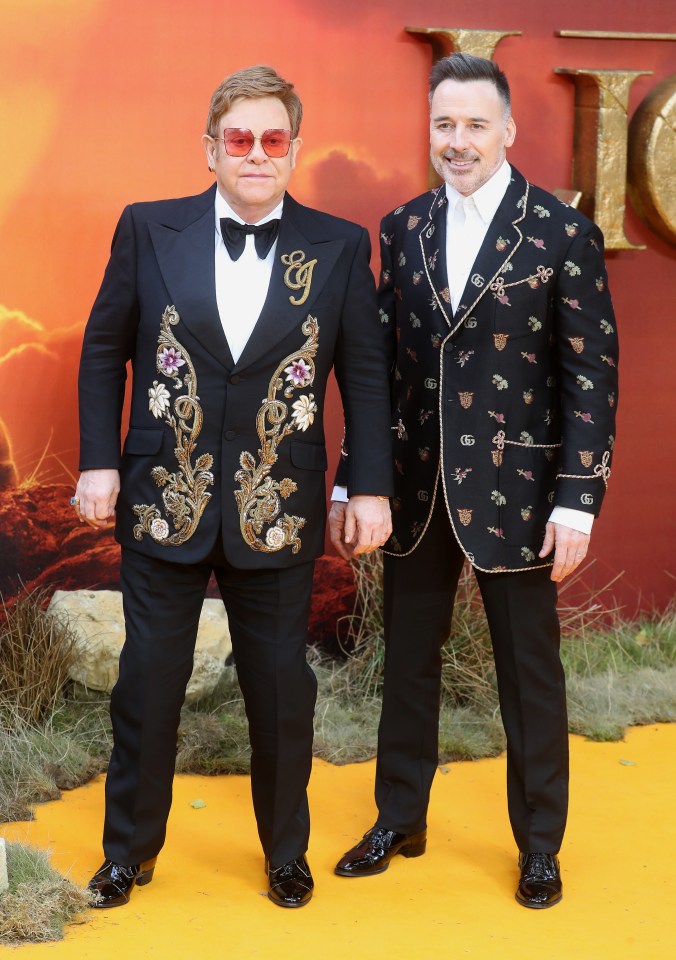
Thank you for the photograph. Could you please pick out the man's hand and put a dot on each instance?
(97, 492)
(360, 525)
(570, 548)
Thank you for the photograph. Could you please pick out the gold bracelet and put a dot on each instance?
(383, 498)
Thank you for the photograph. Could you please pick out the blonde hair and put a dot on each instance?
(254, 83)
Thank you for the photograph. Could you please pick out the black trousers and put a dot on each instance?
(268, 614)
(419, 592)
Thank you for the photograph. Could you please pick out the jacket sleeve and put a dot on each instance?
(587, 352)
(362, 373)
(108, 344)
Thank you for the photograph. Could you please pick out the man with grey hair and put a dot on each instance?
(504, 387)
(233, 307)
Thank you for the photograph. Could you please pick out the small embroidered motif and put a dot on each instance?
(459, 474)
(586, 457)
(298, 275)
(498, 498)
(413, 222)
(526, 512)
(258, 497)
(528, 396)
(602, 469)
(500, 340)
(577, 343)
(527, 554)
(465, 516)
(466, 397)
(184, 493)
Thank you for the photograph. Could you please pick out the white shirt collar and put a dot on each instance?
(223, 209)
(488, 197)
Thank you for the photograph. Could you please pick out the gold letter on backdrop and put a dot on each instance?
(652, 159)
(600, 147)
(480, 43)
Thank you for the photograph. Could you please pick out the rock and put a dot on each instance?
(97, 620)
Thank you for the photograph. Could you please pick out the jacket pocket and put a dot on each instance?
(308, 456)
(140, 441)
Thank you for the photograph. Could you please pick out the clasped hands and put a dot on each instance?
(361, 525)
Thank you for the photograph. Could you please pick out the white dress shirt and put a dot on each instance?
(241, 285)
(467, 223)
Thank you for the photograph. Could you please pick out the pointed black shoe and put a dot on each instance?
(112, 883)
(290, 885)
(374, 851)
(540, 884)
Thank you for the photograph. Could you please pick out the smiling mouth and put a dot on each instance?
(460, 163)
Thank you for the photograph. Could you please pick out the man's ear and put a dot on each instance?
(209, 145)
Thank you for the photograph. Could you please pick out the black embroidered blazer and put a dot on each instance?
(507, 407)
(213, 444)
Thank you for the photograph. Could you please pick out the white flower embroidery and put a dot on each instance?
(304, 410)
(159, 398)
(159, 529)
(299, 373)
(275, 537)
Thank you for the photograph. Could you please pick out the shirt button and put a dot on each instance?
(235, 378)
(230, 434)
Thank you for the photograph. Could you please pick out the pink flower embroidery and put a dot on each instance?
(299, 373)
(169, 360)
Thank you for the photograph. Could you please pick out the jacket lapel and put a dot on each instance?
(185, 255)
(432, 239)
(501, 242)
(304, 261)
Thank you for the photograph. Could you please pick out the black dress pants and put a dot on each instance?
(268, 614)
(419, 592)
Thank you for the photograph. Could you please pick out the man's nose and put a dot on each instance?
(257, 154)
(458, 138)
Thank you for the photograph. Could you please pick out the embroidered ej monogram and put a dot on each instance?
(184, 493)
(258, 497)
(298, 275)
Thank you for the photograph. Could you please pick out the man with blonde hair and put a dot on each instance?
(233, 306)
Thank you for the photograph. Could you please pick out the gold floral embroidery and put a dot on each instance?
(258, 497)
(298, 275)
(184, 493)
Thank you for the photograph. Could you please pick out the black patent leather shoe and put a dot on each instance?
(290, 885)
(112, 883)
(373, 853)
(540, 884)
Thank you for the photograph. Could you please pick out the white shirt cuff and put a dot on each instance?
(575, 519)
(339, 494)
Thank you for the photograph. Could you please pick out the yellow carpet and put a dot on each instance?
(207, 899)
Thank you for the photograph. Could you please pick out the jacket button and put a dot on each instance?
(230, 434)
(235, 378)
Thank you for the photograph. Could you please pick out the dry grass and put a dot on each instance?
(36, 652)
(39, 901)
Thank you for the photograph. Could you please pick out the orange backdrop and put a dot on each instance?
(103, 102)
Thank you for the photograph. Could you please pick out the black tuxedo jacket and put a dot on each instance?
(507, 407)
(216, 445)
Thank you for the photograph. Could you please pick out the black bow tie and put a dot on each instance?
(235, 234)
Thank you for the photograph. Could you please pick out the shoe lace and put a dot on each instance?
(539, 866)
